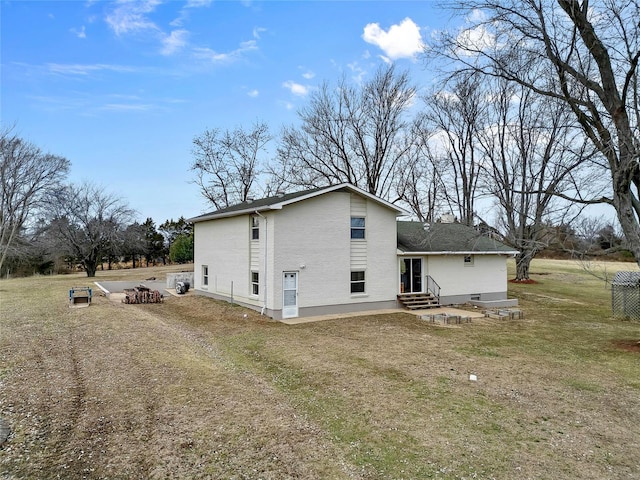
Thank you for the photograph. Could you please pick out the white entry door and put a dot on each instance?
(290, 295)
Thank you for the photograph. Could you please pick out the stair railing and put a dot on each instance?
(433, 287)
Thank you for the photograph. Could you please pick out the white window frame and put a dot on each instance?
(255, 228)
(205, 275)
(255, 283)
(358, 281)
(358, 228)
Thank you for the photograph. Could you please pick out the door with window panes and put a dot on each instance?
(411, 275)
(289, 294)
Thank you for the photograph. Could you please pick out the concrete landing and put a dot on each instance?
(417, 313)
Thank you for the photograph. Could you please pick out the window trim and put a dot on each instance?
(255, 227)
(255, 283)
(468, 260)
(205, 275)
(358, 228)
(358, 281)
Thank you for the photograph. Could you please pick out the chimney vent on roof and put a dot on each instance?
(249, 199)
(448, 218)
(280, 193)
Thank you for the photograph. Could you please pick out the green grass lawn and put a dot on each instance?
(192, 389)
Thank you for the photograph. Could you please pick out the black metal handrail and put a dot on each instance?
(433, 287)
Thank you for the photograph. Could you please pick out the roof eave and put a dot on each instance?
(451, 252)
(277, 205)
(235, 213)
(399, 211)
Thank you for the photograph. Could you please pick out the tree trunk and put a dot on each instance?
(523, 261)
(90, 267)
(623, 202)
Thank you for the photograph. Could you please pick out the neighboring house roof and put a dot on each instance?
(446, 238)
(278, 201)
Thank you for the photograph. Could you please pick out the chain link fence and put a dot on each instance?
(625, 295)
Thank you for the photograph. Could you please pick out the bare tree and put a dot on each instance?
(583, 53)
(227, 164)
(352, 134)
(28, 177)
(134, 243)
(87, 222)
(456, 114)
(419, 177)
(531, 152)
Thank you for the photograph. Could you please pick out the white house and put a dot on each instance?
(339, 249)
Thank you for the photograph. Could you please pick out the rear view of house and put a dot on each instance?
(320, 251)
(334, 250)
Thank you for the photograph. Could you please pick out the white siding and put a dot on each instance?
(487, 275)
(310, 237)
(224, 246)
(358, 249)
(314, 239)
(255, 245)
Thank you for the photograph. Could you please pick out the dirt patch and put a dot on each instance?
(528, 281)
(628, 345)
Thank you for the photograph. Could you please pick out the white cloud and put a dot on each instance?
(358, 73)
(84, 70)
(186, 11)
(216, 57)
(475, 39)
(253, 93)
(308, 75)
(400, 41)
(257, 31)
(476, 16)
(80, 33)
(198, 3)
(296, 88)
(127, 107)
(174, 42)
(131, 17)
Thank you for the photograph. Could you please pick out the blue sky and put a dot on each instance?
(121, 88)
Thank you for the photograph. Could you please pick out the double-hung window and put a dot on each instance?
(205, 275)
(357, 281)
(357, 228)
(255, 283)
(255, 227)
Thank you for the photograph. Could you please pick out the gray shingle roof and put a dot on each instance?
(278, 201)
(446, 237)
(258, 204)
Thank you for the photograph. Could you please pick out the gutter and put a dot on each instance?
(488, 252)
(236, 213)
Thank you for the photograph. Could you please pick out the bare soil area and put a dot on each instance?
(194, 388)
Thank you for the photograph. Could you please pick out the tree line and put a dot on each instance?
(536, 113)
(535, 116)
(50, 226)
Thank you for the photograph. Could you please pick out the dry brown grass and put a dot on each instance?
(192, 389)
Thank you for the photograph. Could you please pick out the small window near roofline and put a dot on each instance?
(255, 227)
(468, 260)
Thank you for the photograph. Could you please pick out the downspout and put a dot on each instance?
(266, 237)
